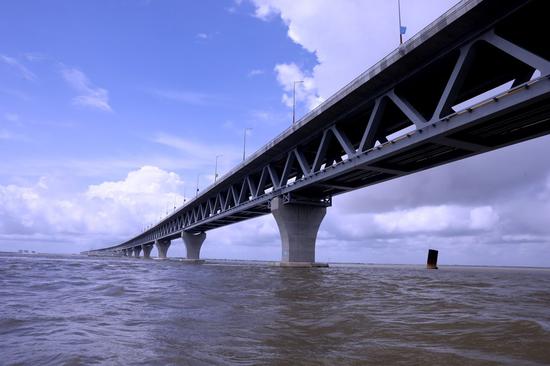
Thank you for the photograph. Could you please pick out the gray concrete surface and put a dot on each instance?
(193, 243)
(147, 250)
(298, 226)
(162, 247)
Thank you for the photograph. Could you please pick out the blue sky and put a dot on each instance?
(182, 69)
(109, 110)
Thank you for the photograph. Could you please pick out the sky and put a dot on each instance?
(111, 111)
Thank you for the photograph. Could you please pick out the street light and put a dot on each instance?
(216, 168)
(244, 141)
(197, 193)
(402, 29)
(294, 99)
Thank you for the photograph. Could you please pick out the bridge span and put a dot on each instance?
(423, 105)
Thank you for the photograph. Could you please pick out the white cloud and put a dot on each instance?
(110, 209)
(346, 37)
(443, 218)
(89, 95)
(20, 68)
(185, 145)
(197, 154)
(187, 97)
(255, 72)
(262, 115)
(202, 36)
(35, 56)
(142, 196)
(148, 180)
(290, 76)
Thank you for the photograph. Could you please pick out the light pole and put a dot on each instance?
(402, 29)
(244, 141)
(216, 168)
(197, 193)
(294, 99)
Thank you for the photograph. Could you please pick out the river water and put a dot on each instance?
(75, 310)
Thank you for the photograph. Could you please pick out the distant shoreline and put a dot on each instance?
(214, 261)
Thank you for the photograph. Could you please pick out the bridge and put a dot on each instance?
(424, 105)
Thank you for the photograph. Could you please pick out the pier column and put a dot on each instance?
(162, 247)
(137, 251)
(298, 225)
(129, 252)
(432, 259)
(193, 243)
(147, 250)
(124, 252)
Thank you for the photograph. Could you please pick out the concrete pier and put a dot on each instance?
(162, 247)
(147, 248)
(124, 252)
(129, 252)
(193, 243)
(298, 226)
(137, 251)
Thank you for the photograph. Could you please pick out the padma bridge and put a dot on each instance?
(474, 80)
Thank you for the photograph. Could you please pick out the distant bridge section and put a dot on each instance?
(424, 105)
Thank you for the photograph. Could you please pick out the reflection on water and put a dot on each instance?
(76, 310)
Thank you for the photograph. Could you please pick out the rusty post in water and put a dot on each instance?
(432, 259)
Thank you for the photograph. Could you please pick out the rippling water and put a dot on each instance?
(58, 310)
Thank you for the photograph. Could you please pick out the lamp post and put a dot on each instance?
(216, 168)
(197, 192)
(402, 29)
(244, 141)
(294, 99)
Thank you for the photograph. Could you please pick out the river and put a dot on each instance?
(76, 310)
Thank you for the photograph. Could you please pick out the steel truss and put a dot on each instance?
(410, 125)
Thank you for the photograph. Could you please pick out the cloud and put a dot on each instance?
(203, 36)
(201, 155)
(187, 97)
(142, 195)
(233, 8)
(146, 180)
(290, 76)
(437, 219)
(35, 56)
(111, 210)
(345, 37)
(89, 95)
(20, 68)
(255, 72)
(184, 145)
